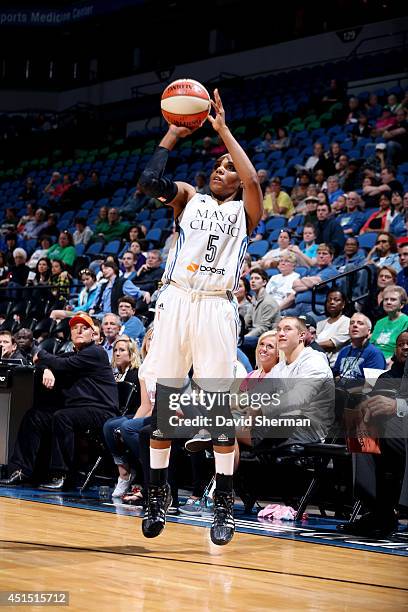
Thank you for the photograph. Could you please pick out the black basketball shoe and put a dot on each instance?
(158, 502)
(223, 526)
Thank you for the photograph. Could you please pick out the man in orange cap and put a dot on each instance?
(90, 398)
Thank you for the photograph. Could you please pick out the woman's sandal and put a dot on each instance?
(134, 497)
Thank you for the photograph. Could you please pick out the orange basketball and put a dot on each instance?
(186, 103)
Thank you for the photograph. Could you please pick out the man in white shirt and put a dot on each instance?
(306, 389)
(280, 285)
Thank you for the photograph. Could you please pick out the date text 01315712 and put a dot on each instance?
(38, 598)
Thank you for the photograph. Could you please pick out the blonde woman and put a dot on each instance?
(126, 361)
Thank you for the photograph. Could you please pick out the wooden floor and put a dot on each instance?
(105, 563)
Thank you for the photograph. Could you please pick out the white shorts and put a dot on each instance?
(191, 328)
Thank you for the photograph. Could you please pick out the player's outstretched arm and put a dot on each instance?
(155, 185)
(253, 200)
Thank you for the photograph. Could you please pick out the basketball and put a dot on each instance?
(185, 103)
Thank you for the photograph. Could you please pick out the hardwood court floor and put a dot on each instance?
(105, 563)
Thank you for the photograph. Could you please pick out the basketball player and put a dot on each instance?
(196, 313)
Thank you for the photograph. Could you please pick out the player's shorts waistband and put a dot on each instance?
(197, 294)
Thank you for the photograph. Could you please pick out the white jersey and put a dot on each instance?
(211, 245)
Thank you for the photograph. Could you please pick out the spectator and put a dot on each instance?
(113, 228)
(300, 190)
(18, 273)
(135, 247)
(25, 343)
(109, 291)
(323, 270)
(271, 258)
(398, 226)
(265, 145)
(350, 258)
(396, 138)
(387, 329)
(51, 227)
(132, 326)
(243, 296)
(264, 311)
(388, 183)
(90, 398)
(351, 220)
(33, 228)
(306, 252)
(280, 285)
(352, 360)
(361, 129)
(86, 298)
(333, 333)
(310, 213)
(319, 177)
(282, 140)
(353, 110)
(83, 232)
(310, 336)
(305, 384)
(201, 185)
(128, 265)
(3, 266)
(170, 242)
(111, 326)
(333, 189)
(263, 177)
(8, 346)
(372, 306)
(384, 252)
(373, 108)
(30, 193)
(379, 219)
(61, 282)
(55, 180)
(150, 273)
(64, 250)
(278, 202)
(328, 229)
(29, 216)
(129, 424)
(40, 253)
(402, 276)
(352, 177)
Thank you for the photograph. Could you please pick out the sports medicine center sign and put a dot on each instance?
(39, 16)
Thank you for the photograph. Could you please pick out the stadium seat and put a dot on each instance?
(275, 223)
(367, 240)
(258, 248)
(112, 248)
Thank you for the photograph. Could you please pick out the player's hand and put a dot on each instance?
(218, 122)
(180, 131)
(48, 379)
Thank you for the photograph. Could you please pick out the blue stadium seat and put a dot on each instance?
(95, 248)
(154, 235)
(275, 223)
(160, 213)
(112, 248)
(367, 240)
(258, 248)
(79, 249)
(288, 182)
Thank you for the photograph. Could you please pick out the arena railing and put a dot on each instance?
(350, 275)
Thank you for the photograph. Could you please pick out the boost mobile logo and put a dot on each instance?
(193, 267)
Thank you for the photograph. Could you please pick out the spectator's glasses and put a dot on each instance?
(84, 271)
(381, 241)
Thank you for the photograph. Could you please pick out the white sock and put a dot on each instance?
(159, 458)
(224, 462)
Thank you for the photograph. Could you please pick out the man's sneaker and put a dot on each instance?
(201, 441)
(223, 525)
(197, 507)
(158, 502)
(122, 486)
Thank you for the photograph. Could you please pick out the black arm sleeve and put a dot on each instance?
(152, 181)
